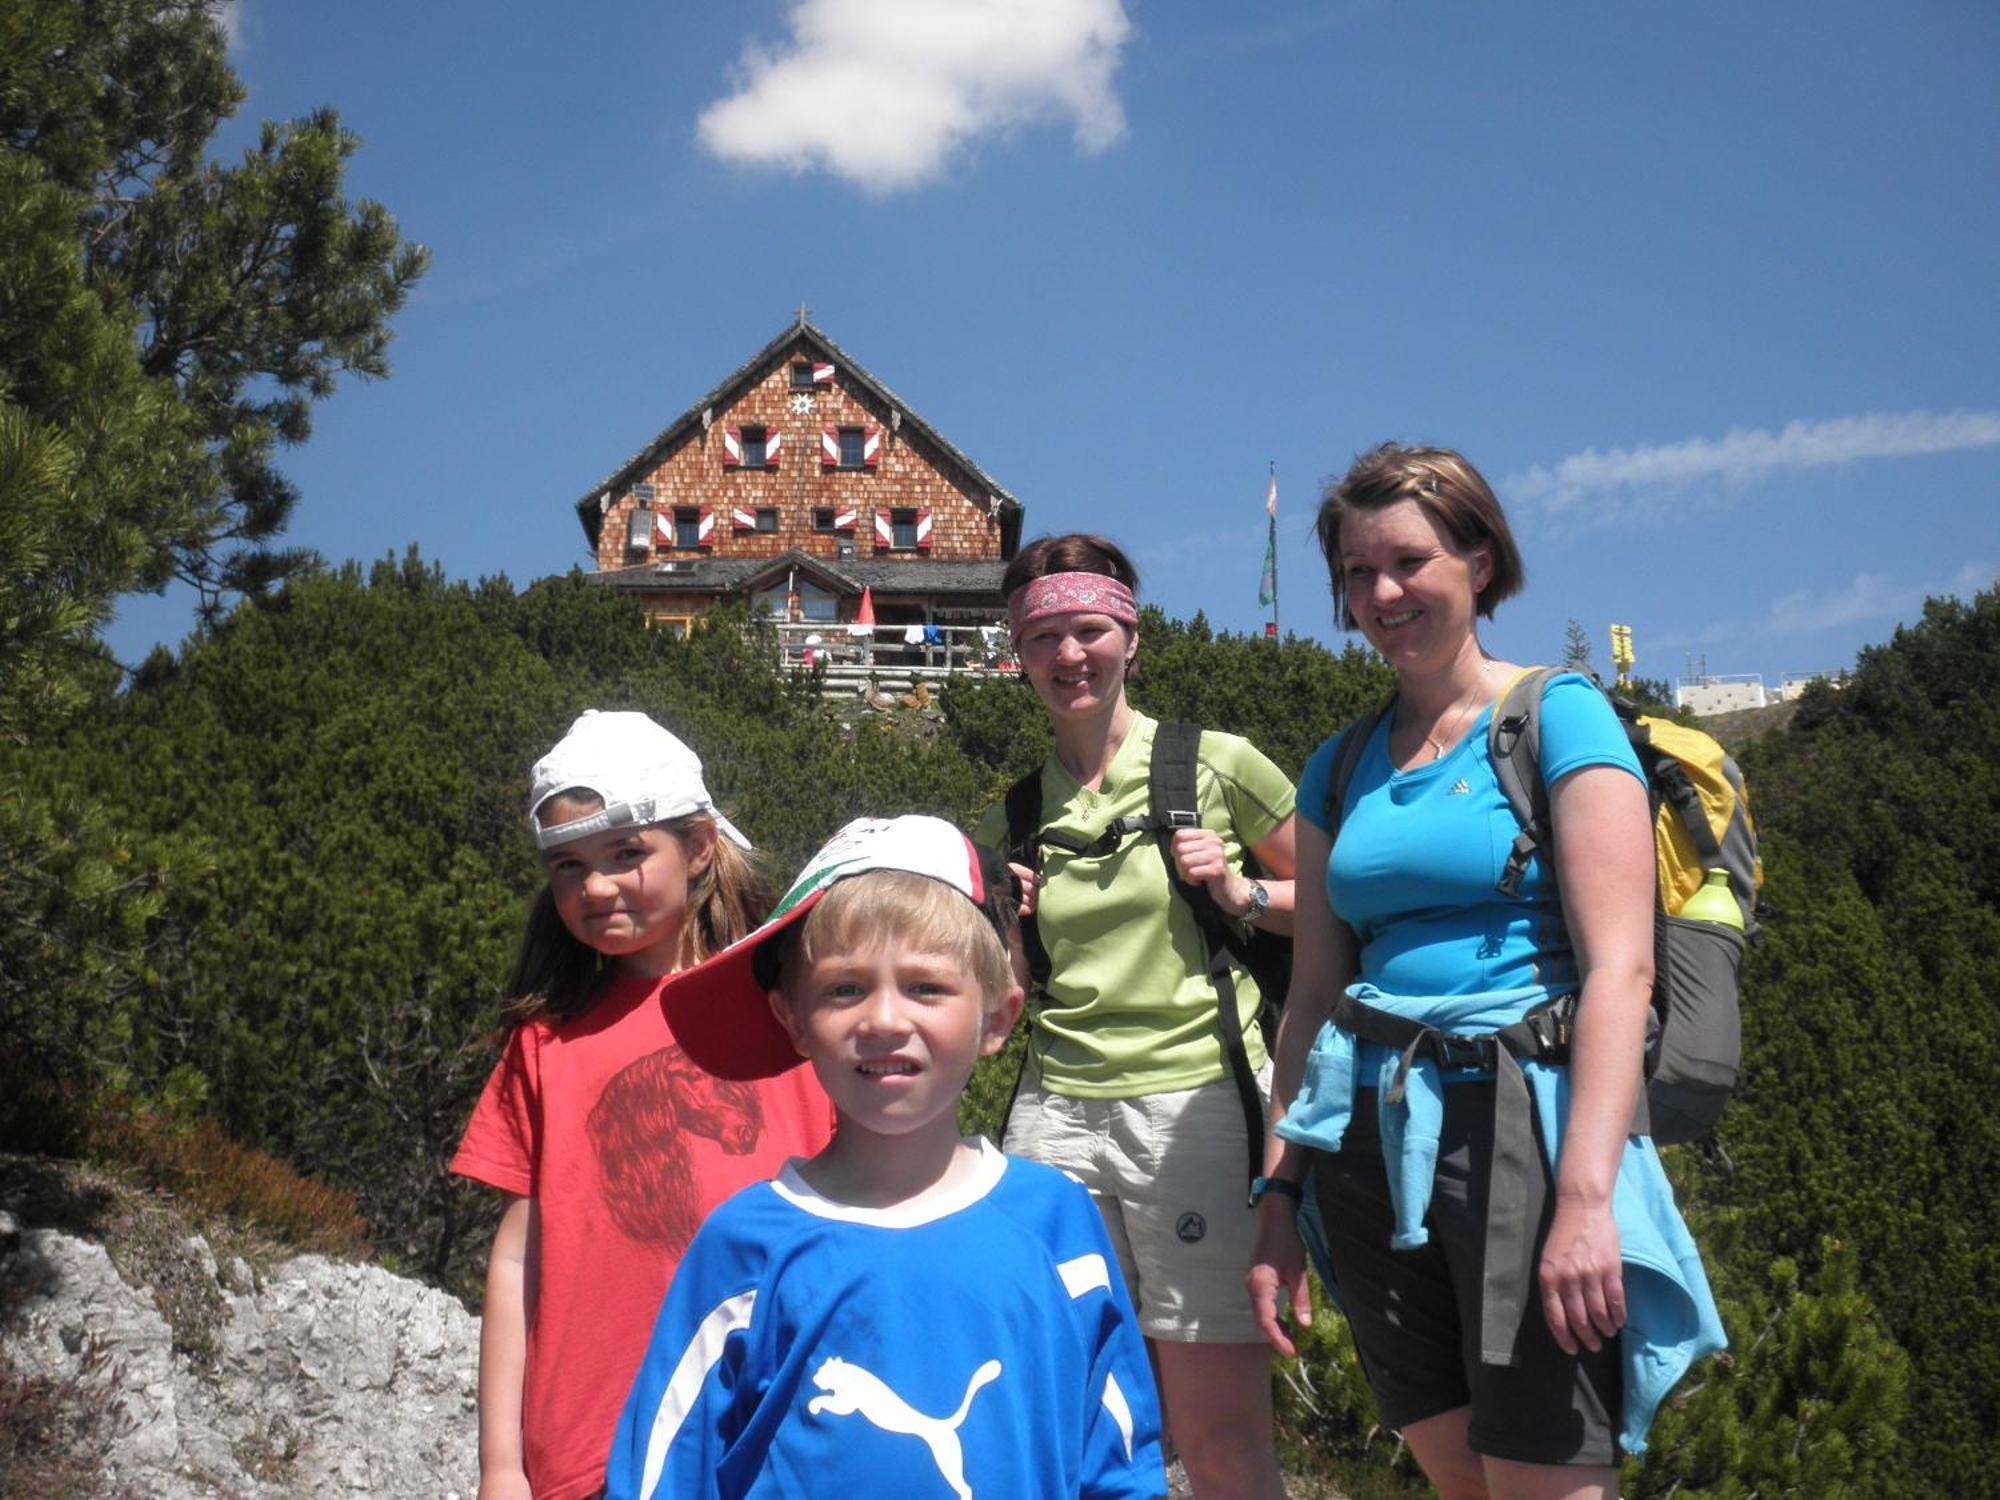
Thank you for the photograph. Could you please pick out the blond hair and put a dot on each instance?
(912, 912)
(556, 974)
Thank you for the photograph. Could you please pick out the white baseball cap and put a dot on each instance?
(718, 1010)
(640, 772)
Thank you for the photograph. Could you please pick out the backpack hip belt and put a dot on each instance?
(1517, 1176)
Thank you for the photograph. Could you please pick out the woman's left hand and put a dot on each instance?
(1582, 1277)
(1200, 859)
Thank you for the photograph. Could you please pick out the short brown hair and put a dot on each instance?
(1077, 552)
(1452, 493)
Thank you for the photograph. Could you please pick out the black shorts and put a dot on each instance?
(1415, 1312)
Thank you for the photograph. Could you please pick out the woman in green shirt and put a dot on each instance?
(1129, 1084)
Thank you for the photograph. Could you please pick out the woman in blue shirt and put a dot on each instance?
(1521, 1385)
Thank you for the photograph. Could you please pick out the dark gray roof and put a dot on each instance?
(885, 575)
(802, 335)
(921, 575)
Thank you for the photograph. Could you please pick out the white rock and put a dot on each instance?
(329, 1379)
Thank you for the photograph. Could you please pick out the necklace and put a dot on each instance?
(1439, 743)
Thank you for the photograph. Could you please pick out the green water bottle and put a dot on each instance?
(1714, 902)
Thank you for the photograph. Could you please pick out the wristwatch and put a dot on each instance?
(1284, 1187)
(1260, 902)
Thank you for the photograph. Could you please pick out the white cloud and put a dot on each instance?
(1870, 596)
(1618, 482)
(229, 16)
(1864, 597)
(884, 92)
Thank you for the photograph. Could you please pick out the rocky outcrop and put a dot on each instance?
(316, 1378)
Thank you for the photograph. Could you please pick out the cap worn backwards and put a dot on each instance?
(640, 772)
(718, 1010)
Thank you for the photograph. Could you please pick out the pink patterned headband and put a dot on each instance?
(1068, 594)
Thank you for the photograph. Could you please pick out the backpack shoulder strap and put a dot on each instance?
(1024, 847)
(1175, 803)
(1346, 757)
(1171, 775)
(1514, 745)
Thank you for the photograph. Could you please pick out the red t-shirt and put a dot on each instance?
(625, 1145)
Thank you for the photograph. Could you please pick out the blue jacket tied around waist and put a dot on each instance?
(1671, 1319)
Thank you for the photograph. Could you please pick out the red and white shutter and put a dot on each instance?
(924, 529)
(829, 447)
(844, 520)
(773, 440)
(732, 447)
(704, 535)
(741, 519)
(871, 448)
(885, 531)
(663, 528)
(822, 374)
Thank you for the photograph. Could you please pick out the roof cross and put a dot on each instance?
(803, 311)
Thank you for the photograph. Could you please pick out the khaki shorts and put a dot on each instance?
(1170, 1175)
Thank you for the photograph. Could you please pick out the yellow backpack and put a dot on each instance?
(1701, 822)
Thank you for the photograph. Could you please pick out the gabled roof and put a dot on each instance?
(805, 336)
(729, 575)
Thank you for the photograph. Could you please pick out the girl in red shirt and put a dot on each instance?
(608, 1144)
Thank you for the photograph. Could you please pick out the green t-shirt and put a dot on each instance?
(1129, 1010)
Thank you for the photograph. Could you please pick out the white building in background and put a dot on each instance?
(1707, 694)
(1792, 684)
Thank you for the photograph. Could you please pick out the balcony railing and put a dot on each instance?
(902, 651)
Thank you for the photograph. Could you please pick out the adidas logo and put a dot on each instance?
(1460, 788)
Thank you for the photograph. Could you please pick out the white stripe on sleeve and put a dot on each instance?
(684, 1388)
(1087, 1273)
(1121, 1411)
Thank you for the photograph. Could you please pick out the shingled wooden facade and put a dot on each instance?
(797, 483)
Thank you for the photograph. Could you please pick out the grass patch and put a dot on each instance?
(56, 1433)
(217, 1176)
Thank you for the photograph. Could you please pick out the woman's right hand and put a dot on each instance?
(1277, 1280)
(1031, 888)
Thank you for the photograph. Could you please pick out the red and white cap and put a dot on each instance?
(719, 1010)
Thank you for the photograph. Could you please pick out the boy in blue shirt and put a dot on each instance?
(908, 1312)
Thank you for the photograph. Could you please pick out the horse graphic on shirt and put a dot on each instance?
(850, 1389)
(643, 1126)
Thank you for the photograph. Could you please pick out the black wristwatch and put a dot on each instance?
(1284, 1187)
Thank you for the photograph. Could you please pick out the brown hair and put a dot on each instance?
(1077, 552)
(558, 975)
(913, 911)
(1074, 552)
(1452, 493)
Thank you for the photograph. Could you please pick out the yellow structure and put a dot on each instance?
(1621, 651)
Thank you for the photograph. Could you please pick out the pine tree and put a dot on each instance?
(1809, 1401)
(241, 292)
(1576, 647)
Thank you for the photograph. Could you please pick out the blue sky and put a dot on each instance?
(1707, 290)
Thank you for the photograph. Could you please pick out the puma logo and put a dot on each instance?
(850, 1389)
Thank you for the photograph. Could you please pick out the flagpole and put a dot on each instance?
(1274, 549)
(1267, 583)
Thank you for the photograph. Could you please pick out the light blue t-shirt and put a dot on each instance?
(1416, 868)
